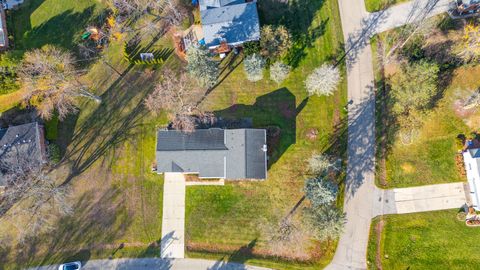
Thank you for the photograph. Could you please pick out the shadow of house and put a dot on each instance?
(277, 112)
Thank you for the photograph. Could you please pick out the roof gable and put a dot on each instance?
(202, 139)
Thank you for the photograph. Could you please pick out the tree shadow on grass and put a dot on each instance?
(299, 18)
(276, 112)
(236, 260)
(96, 220)
(62, 30)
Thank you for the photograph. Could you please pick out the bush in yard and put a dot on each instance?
(320, 191)
(279, 71)
(251, 47)
(327, 223)
(253, 66)
(8, 75)
(323, 80)
(54, 153)
(201, 66)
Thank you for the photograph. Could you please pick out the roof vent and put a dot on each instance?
(16, 136)
(264, 148)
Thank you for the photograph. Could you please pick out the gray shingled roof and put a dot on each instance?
(241, 156)
(23, 140)
(203, 139)
(235, 23)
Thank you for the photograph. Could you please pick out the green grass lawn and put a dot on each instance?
(40, 22)
(430, 240)
(376, 5)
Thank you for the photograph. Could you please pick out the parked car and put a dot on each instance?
(70, 266)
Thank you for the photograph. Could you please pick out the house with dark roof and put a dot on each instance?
(3, 30)
(229, 23)
(25, 141)
(214, 153)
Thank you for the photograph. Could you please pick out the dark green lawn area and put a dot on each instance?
(40, 22)
(431, 240)
(376, 5)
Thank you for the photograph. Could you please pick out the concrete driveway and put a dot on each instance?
(173, 217)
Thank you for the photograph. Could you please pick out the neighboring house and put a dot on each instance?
(3, 30)
(229, 23)
(214, 153)
(471, 157)
(25, 141)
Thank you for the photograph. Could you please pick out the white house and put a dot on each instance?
(471, 157)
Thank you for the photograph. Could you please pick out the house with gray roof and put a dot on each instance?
(230, 22)
(25, 141)
(214, 153)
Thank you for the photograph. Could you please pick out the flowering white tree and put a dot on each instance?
(201, 66)
(319, 164)
(279, 72)
(326, 222)
(253, 66)
(320, 191)
(323, 80)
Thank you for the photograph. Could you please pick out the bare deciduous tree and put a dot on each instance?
(162, 15)
(178, 95)
(32, 199)
(51, 81)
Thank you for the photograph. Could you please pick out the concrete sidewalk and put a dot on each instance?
(406, 13)
(173, 220)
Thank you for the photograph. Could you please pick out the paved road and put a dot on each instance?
(173, 218)
(158, 264)
(363, 200)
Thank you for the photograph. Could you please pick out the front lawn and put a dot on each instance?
(430, 240)
(431, 157)
(234, 218)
